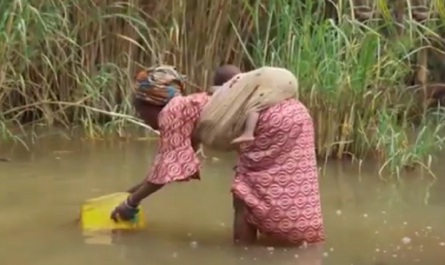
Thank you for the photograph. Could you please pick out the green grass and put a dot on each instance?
(352, 80)
(71, 63)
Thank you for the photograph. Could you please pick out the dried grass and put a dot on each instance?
(71, 64)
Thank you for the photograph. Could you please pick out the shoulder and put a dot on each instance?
(193, 100)
(175, 102)
(197, 99)
(197, 96)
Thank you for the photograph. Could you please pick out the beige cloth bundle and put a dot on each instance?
(224, 116)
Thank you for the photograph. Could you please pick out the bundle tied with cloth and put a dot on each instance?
(224, 116)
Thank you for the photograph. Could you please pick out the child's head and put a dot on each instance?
(224, 73)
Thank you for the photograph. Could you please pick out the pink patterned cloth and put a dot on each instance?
(277, 177)
(176, 160)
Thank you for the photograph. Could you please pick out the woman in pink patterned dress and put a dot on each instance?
(160, 103)
(275, 190)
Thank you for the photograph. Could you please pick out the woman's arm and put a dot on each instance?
(142, 191)
(176, 144)
(136, 187)
(195, 145)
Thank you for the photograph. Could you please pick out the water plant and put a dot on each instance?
(353, 76)
(71, 63)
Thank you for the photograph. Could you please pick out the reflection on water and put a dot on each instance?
(367, 221)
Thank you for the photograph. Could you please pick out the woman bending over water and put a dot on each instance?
(275, 189)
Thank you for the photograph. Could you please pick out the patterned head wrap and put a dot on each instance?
(157, 85)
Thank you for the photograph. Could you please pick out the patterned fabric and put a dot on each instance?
(224, 118)
(158, 85)
(176, 159)
(277, 177)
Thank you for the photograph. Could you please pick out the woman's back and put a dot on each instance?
(277, 177)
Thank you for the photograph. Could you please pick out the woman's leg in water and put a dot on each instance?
(244, 233)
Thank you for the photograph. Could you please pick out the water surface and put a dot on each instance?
(368, 221)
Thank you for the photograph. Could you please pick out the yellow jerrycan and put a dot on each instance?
(95, 214)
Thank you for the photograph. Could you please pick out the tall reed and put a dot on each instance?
(352, 78)
(71, 63)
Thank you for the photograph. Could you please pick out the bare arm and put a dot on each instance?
(136, 187)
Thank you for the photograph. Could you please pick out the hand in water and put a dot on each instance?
(124, 212)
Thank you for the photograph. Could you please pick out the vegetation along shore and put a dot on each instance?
(369, 73)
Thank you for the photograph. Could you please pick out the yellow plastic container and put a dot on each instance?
(95, 214)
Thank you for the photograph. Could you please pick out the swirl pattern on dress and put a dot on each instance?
(176, 160)
(276, 175)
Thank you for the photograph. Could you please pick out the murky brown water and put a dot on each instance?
(367, 221)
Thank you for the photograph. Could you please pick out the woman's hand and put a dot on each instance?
(124, 211)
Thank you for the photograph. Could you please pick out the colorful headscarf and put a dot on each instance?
(157, 85)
